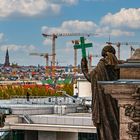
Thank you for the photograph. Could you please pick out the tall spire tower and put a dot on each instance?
(7, 63)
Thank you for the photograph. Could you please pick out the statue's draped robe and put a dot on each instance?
(105, 111)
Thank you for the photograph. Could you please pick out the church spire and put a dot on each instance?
(7, 63)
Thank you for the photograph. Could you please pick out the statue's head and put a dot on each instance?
(108, 48)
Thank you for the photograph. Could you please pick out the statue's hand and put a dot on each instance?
(84, 67)
(84, 62)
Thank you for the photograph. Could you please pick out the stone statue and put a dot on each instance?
(105, 111)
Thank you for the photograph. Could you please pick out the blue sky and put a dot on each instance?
(23, 21)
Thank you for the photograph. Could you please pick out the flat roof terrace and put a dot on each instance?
(46, 117)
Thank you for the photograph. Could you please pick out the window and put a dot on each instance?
(87, 136)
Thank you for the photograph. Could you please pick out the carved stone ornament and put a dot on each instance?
(133, 111)
(134, 130)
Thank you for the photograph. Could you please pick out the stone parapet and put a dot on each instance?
(131, 69)
(131, 73)
(124, 91)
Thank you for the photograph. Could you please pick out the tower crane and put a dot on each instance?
(45, 55)
(55, 35)
(118, 45)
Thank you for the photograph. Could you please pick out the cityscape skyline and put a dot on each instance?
(22, 23)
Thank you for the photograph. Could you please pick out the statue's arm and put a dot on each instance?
(84, 67)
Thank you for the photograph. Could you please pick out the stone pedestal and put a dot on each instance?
(127, 91)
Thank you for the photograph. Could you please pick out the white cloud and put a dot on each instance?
(76, 26)
(32, 7)
(15, 48)
(10, 47)
(54, 8)
(27, 7)
(69, 2)
(106, 31)
(124, 18)
(71, 26)
(117, 32)
(1, 37)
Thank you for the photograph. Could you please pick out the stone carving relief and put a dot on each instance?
(133, 111)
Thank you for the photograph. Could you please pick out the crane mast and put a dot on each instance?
(53, 49)
(75, 52)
